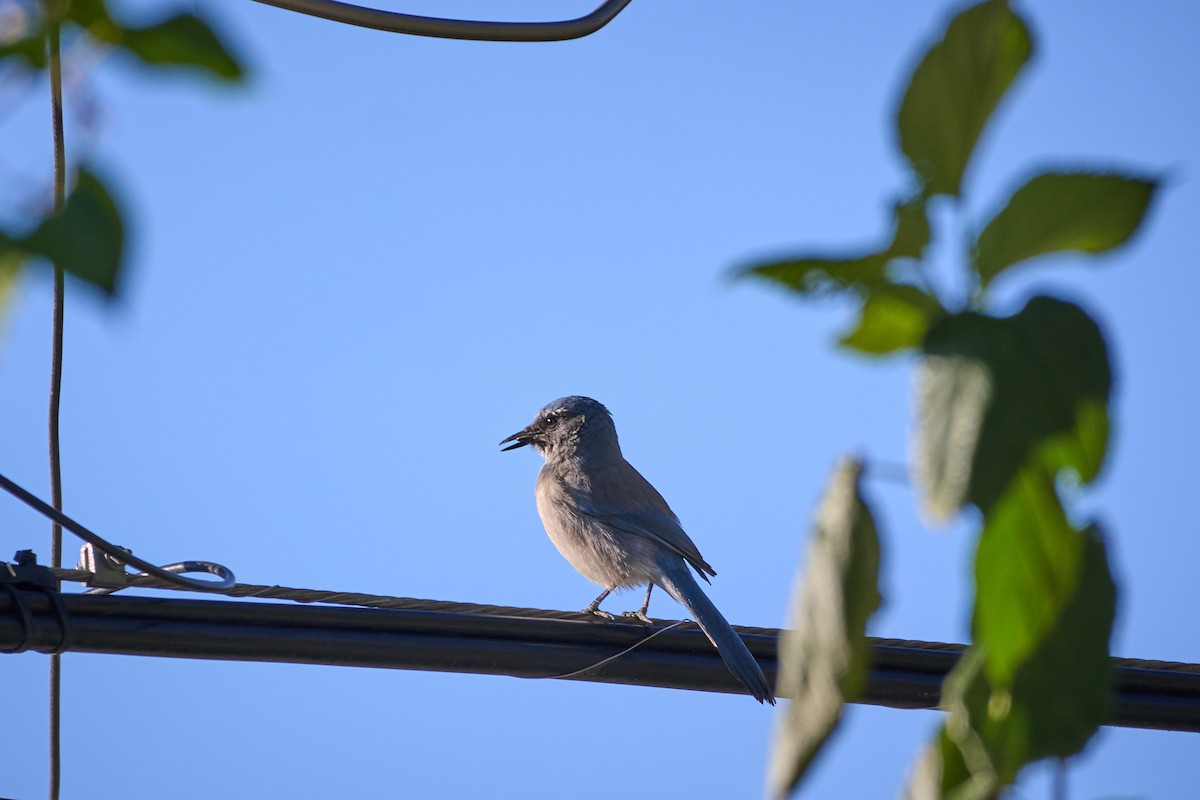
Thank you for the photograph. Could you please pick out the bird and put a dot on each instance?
(616, 529)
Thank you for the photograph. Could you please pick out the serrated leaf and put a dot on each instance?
(893, 318)
(1048, 381)
(823, 659)
(184, 40)
(953, 395)
(1062, 211)
(955, 89)
(88, 238)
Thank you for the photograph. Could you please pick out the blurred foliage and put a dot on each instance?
(824, 656)
(87, 238)
(1006, 407)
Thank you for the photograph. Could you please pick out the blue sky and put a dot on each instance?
(352, 277)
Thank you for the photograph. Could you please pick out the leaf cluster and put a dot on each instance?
(1007, 407)
(87, 236)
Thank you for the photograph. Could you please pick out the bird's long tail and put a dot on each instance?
(678, 582)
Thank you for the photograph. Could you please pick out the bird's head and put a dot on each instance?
(568, 426)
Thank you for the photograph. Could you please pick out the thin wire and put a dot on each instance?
(613, 657)
(53, 32)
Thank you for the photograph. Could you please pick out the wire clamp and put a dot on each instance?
(106, 571)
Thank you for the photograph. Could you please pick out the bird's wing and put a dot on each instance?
(634, 506)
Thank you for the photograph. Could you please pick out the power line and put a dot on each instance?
(528, 643)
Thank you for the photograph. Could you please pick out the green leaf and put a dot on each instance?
(184, 40)
(94, 17)
(1026, 567)
(11, 257)
(819, 275)
(30, 49)
(993, 391)
(893, 318)
(956, 88)
(1060, 211)
(912, 229)
(88, 238)
(1059, 694)
(823, 659)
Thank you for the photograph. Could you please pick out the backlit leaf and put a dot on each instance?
(1063, 211)
(955, 89)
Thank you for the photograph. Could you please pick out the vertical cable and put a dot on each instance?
(53, 32)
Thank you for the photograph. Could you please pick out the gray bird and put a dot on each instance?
(616, 529)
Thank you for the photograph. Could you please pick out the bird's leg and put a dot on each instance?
(594, 608)
(641, 612)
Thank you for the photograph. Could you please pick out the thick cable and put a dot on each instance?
(24, 614)
(224, 583)
(437, 27)
(919, 647)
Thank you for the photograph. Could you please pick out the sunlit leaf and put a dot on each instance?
(1059, 693)
(955, 89)
(88, 238)
(1048, 382)
(893, 318)
(1025, 568)
(1063, 211)
(823, 659)
(184, 40)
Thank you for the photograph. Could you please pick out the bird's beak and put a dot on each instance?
(521, 438)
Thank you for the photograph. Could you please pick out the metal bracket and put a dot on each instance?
(107, 572)
(437, 27)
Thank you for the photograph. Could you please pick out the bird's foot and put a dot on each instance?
(639, 614)
(599, 613)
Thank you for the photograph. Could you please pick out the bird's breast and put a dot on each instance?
(602, 554)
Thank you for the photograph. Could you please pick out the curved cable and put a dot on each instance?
(393, 22)
(225, 583)
(179, 568)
